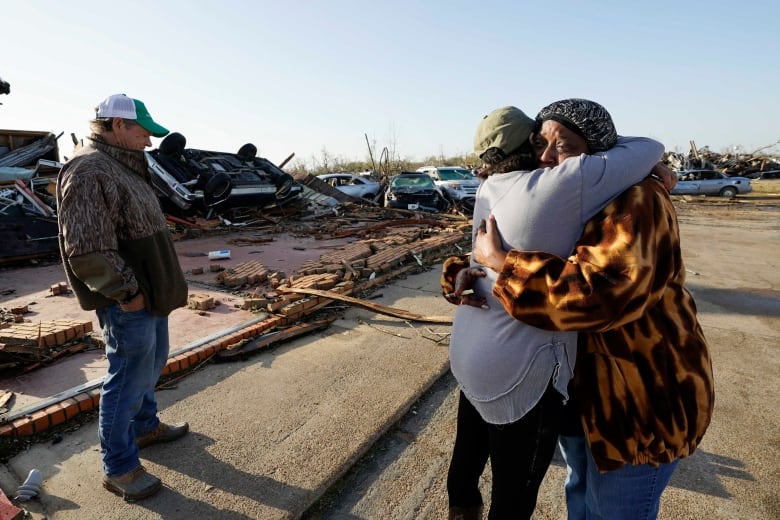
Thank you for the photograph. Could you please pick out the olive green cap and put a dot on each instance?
(505, 128)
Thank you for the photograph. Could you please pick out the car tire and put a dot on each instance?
(173, 145)
(284, 184)
(247, 152)
(729, 192)
(217, 189)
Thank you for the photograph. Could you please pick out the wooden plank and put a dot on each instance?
(380, 309)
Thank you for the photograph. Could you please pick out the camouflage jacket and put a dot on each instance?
(114, 239)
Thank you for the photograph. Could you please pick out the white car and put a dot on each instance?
(353, 185)
(458, 184)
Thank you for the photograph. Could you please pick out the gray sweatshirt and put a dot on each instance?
(503, 365)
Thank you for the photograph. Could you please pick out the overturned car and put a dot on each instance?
(196, 181)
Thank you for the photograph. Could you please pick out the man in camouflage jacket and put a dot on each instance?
(120, 261)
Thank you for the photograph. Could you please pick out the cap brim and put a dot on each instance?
(153, 128)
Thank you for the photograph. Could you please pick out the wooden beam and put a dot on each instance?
(380, 309)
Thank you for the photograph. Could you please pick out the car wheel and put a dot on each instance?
(247, 152)
(729, 192)
(284, 184)
(217, 189)
(173, 145)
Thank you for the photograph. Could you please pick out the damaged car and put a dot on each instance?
(415, 191)
(201, 181)
(710, 182)
(458, 184)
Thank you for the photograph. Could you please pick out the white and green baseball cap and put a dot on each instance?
(119, 105)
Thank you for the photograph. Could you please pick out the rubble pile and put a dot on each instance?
(751, 165)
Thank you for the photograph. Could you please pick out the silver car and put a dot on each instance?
(710, 182)
(354, 185)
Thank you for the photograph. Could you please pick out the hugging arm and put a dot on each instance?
(457, 279)
(621, 266)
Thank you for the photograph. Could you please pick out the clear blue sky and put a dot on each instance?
(300, 76)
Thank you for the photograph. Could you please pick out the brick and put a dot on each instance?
(184, 361)
(41, 421)
(71, 407)
(20, 310)
(276, 305)
(56, 414)
(201, 302)
(311, 303)
(85, 402)
(94, 394)
(23, 427)
(294, 311)
(204, 353)
(70, 333)
(197, 270)
(254, 303)
(49, 340)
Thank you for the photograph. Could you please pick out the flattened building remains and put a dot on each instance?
(267, 255)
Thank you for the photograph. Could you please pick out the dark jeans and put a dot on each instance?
(519, 453)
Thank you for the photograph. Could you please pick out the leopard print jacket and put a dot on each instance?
(643, 375)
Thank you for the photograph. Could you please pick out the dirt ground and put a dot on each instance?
(731, 251)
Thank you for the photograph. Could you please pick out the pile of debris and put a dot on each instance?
(199, 190)
(753, 165)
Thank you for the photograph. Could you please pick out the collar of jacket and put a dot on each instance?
(135, 160)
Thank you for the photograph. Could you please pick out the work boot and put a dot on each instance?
(133, 485)
(163, 433)
(465, 513)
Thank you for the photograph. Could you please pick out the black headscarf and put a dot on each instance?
(586, 118)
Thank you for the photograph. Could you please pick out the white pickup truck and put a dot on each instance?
(458, 184)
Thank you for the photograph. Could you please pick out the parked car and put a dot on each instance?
(192, 180)
(353, 185)
(710, 182)
(415, 191)
(458, 184)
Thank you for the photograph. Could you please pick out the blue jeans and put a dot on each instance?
(629, 493)
(137, 350)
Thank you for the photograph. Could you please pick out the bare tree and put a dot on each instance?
(326, 159)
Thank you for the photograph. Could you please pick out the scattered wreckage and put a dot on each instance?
(190, 182)
(750, 165)
(194, 186)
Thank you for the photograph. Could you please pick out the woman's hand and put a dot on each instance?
(488, 249)
(665, 174)
(463, 294)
